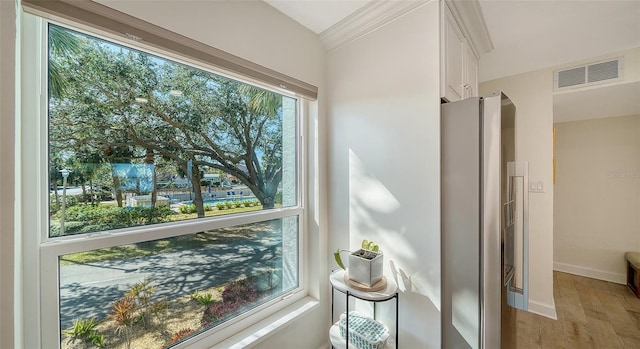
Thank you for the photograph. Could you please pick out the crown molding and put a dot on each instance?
(469, 16)
(367, 19)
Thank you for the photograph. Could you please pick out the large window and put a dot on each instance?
(173, 196)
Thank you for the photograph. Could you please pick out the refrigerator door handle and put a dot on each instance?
(517, 233)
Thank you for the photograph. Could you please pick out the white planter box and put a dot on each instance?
(365, 271)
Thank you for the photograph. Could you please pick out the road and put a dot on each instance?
(71, 191)
(89, 290)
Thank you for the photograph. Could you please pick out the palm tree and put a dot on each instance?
(61, 43)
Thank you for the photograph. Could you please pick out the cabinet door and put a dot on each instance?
(471, 73)
(453, 80)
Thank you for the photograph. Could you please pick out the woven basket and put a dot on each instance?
(364, 332)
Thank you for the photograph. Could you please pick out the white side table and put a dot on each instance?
(338, 284)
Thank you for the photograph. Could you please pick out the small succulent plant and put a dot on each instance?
(369, 247)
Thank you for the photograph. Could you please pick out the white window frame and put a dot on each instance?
(40, 252)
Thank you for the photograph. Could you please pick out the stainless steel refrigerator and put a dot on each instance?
(484, 222)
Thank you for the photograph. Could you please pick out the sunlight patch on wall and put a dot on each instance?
(366, 190)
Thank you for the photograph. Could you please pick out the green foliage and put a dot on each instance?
(70, 201)
(255, 203)
(72, 227)
(221, 205)
(81, 328)
(85, 330)
(135, 308)
(278, 198)
(216, 122)
(338, 259)
(188, 208)
(61, 43)
(84, 218)
(191, 208)
(97, 340)
(203, 298)
(141, 293)
(369, 246)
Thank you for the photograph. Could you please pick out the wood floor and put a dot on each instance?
(591, 314)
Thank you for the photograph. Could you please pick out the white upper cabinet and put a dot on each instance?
(454, 57)
(470, 73)
(459, 62)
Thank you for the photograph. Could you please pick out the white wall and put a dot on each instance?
(7, 117)
(384, 180)
(533, 96)
(259, 33)
(531, 93)
(597, 196)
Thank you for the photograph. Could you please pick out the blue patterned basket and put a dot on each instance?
(364, 332)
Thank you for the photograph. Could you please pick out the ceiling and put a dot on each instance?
(528, 35)
(317, 15)
(531, 35)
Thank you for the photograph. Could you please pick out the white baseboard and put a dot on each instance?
(591, 273)
(543, 309)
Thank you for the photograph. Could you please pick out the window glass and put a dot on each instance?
(155, 293)
(135, 139)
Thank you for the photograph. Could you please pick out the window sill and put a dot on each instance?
(269, 326)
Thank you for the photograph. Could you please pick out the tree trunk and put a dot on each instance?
(150, 159)
(84, 192)
(197, 188)
(91, 192)
(117, 190)
(267, 203)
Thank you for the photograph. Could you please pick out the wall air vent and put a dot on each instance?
(571, 77)
(589, 74)
(603, 71)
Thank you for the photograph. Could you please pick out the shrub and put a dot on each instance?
(219, 310)
(186, 209)
(236, 294)
(85, 331)
(203, 298)
(112, 217)
(81, 328)
(180, 335)
(256, 202)
(70, 201)
(238, 290)
(221, 205)
(70, 227)
(191, 208)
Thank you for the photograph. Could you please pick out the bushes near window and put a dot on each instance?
(85, 218)
(139, 311)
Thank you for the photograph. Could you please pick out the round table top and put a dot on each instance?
(337, 281)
